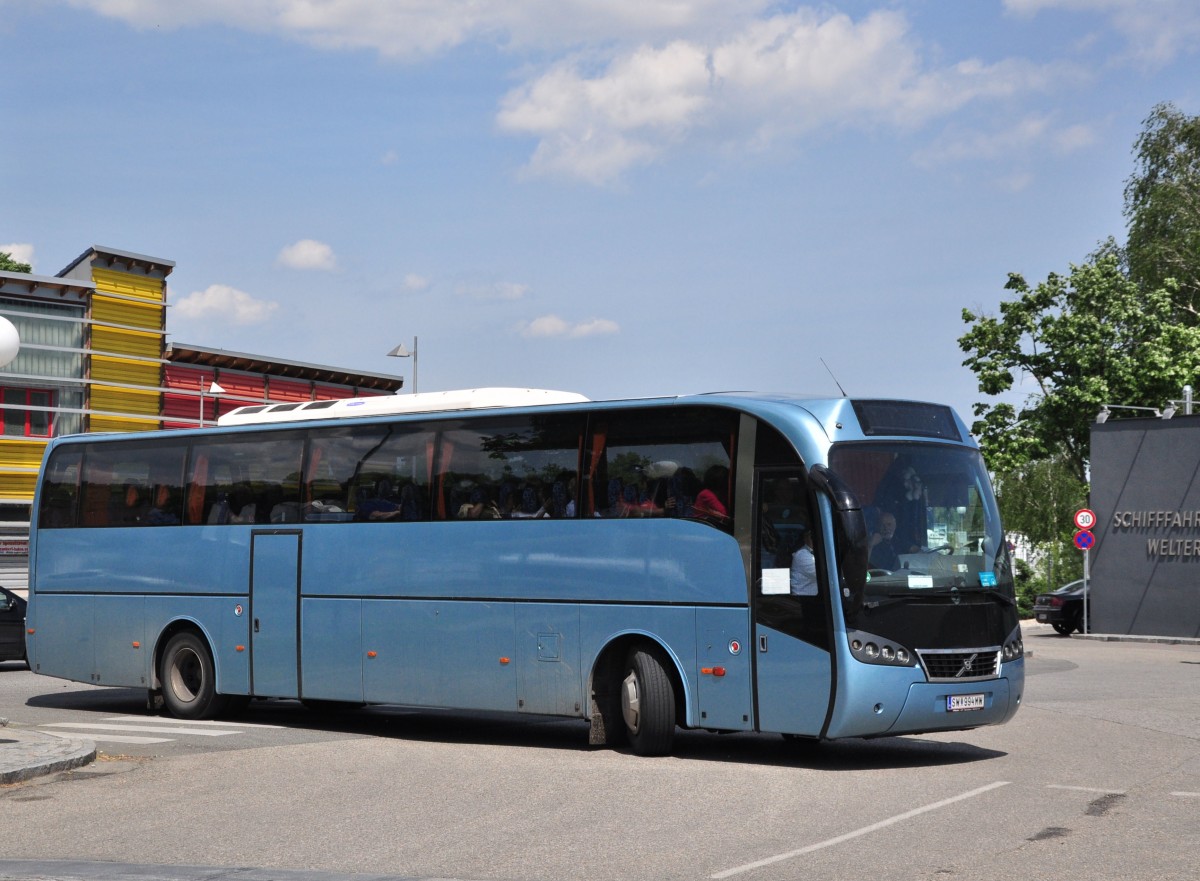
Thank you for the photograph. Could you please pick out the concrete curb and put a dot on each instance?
(26, 754)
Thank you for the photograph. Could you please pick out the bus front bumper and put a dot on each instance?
(949, 706)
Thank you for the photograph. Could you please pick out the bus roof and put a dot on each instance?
(382, 405)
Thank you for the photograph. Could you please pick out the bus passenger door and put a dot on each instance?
(274, 613)
(793, 669)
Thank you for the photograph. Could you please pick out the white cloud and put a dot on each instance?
(1156, 30)
(414, 282)
(1034, 134)
(307, 254)
(552, 326)
(412, 29)
(775, 78)
(502, 290)
(219, 302)
(21, 252)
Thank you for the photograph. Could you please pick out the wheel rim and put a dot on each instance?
(187, 675)
(631, 704)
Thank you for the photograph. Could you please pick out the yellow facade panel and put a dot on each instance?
(107, 310)
(119, 423)
(17, 486)
(129, 285)
(21, 453)
(125, 401)
(127, 342)
(126, 370)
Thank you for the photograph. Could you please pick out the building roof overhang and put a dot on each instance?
(186, 353)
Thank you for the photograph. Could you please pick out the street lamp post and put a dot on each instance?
(214, 390)
(402, 352)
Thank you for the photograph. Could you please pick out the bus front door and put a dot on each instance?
(274, 613)
(793, 668)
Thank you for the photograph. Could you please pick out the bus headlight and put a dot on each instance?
(872, 649)
(1014, 647)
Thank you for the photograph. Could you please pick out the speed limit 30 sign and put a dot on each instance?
(1085, 519)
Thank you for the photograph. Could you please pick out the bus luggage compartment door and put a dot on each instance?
(274, 613)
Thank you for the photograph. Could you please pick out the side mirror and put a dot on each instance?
(851, 542)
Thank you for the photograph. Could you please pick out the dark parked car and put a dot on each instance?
(1061, 609)
(12, 626)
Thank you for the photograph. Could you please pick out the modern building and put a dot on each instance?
(1145, 564)
(94, 356)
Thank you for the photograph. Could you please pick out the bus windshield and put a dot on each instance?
(931, 519)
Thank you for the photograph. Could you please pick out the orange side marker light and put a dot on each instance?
(372, 654)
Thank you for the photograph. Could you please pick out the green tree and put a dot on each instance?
(1037, 505)
(1076, 342)
(8, 264)
(1162, 205)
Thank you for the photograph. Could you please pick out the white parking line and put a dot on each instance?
(113, 738)
(1186, 794)
(1086, 789)
(150, 729)
(167, 720)
(874, 827)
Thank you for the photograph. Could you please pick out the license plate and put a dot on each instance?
(1042, 617)
(957, 703)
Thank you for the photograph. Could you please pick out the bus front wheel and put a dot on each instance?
(189, 678)
(648, 705)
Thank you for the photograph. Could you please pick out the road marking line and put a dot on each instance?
(1186, 794)
(112, 738)
(874, 827)
(152, 729)
(1087, 789)
(166, 720)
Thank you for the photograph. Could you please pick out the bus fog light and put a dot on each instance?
(871, 650)
(902, 656)
(887, 652)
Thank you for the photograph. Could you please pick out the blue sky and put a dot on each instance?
(615, 197)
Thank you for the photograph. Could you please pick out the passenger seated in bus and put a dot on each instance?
(883, 554)
(710, 505)
(373, 504)
(903, 494)
(803, 576)
(132, 507)
(478, 507)
(562, 497)
(164, 512)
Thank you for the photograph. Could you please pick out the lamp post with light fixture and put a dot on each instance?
(401, 352)
(214, 390)
(1106, 411)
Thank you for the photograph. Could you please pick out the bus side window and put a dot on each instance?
(510, 469)
(670, 462)
(60, 491)
(252, 478)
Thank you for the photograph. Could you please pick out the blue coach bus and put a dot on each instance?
(819, 568)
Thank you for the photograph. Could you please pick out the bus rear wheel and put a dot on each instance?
(648, 705)
(189, 678)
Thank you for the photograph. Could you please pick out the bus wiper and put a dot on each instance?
(974, 591)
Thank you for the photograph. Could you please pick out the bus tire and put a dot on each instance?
(189, 678)
(647, 705)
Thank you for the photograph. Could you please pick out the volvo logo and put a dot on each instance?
(966, 666)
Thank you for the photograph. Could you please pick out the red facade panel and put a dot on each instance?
(184, 406)
(334, 392)
(185, 377)
(242, 388)
(283, 390)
